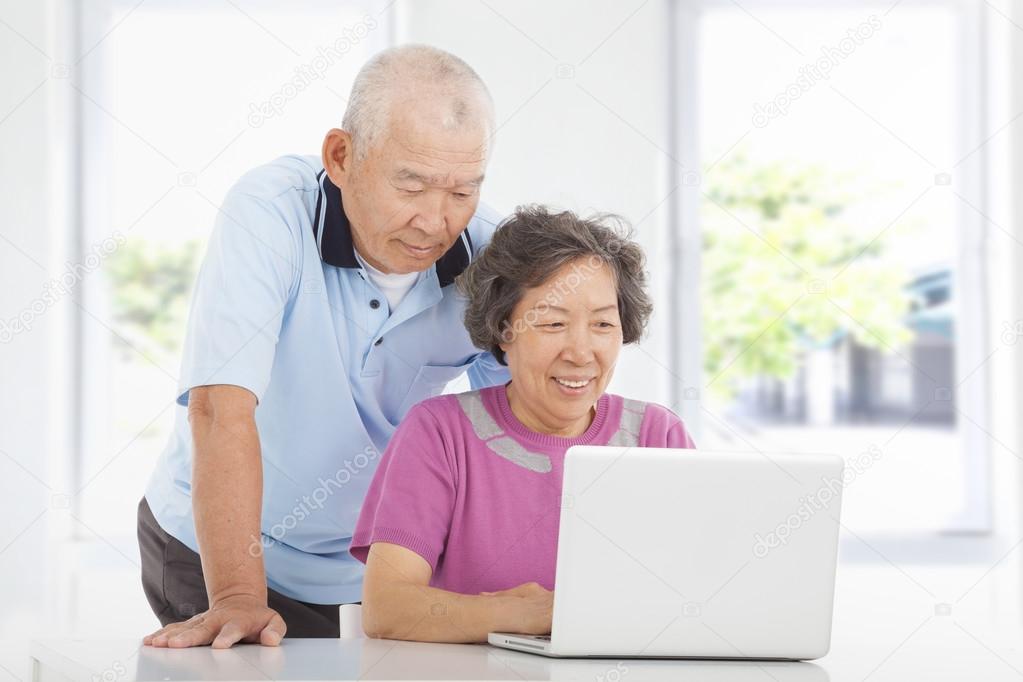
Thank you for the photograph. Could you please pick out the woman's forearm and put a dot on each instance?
(428, 614)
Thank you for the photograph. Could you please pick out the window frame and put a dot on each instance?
(90, 385)
(973, 314)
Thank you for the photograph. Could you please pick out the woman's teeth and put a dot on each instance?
(572, 384)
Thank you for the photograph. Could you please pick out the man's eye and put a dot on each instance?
(462, 195)
(412, 191)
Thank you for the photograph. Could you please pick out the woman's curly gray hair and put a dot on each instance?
(525, 252)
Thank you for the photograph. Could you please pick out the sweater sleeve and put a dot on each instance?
(412, 494)
(662, 428)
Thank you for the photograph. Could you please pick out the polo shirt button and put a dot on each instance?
(378, 341)
(374, 304)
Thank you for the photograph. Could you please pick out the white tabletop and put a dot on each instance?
(369, 659)
(938, 650)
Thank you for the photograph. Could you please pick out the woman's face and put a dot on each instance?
(562, 346)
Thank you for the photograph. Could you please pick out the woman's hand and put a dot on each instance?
(399, 603)
(529, 608)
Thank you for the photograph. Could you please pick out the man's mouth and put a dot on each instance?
(418, 251)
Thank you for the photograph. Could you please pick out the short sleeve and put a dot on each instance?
(486, 371)
(678, 436)
(662, 428)
(412, 495)
(243, 288)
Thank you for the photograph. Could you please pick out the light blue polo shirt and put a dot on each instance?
(282, 307)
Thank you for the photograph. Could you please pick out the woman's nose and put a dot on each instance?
(579, 349)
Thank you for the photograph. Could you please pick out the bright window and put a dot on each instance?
(842, 299)
(161, 150)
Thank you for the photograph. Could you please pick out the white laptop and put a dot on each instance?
(693, 554)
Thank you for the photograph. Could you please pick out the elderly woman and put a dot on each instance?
(459, 529)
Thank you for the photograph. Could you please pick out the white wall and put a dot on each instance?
(1004, 282)
(591, 136)
(32, 414)
(1015, 478)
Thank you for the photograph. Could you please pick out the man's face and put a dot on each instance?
(415, 190)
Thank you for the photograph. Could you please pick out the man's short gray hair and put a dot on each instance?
(525, 252)
(420, 69)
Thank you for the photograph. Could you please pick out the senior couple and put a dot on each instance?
(313, 462)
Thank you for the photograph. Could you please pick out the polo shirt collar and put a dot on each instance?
(333, 234)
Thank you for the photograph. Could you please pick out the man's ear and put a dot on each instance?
(338, 156)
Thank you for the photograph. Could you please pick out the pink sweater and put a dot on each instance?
(475, 493)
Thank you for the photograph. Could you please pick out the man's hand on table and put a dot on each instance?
(230, 620)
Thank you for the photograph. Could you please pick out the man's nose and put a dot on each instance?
(430, 214)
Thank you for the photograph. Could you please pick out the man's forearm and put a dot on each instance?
(227, 489)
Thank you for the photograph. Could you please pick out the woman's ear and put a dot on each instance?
(504, 336)
(507, 337)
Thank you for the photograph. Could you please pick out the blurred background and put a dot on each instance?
(830, 195)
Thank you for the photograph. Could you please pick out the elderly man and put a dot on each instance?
(324, 309)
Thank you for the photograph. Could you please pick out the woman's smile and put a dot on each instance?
(571, 386)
